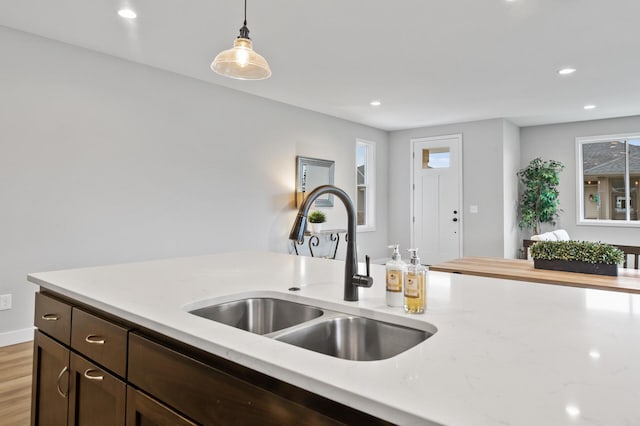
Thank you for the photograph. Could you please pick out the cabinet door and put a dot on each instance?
(145, 411)
(96, 397)
(50, 382)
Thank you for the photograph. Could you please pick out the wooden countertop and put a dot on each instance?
(628, 280)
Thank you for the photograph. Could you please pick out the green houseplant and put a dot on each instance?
(539, 198)
(577, 256)
(316, 218)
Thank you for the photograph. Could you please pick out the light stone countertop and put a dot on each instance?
(505, 353)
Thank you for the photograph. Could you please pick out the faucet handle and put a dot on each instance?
(367, 261)
(363, 280)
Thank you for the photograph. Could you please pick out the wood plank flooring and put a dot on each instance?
(15, 384)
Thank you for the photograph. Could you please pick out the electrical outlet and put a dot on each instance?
(5, 302)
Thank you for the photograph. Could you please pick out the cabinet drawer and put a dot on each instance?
(208, 395)
(53, 317)
(100, 340)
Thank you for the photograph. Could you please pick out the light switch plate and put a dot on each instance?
(473, 209)
(5, 302)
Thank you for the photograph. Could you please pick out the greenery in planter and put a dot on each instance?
(317, 216)
(539, 200)
(578, 251)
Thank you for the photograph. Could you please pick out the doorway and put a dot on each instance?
(437, 198)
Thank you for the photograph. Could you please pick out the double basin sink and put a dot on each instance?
(329, 332)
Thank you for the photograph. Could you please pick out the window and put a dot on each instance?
(436, 158)
(608, 177)
(365, 185)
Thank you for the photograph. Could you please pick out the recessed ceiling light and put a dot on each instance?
(572, 410)
(375, 103)
(127, 14)
(589, 107)
(566, 71)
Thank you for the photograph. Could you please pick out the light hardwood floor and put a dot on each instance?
(15, 384)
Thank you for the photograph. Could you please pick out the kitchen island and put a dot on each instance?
(505, 352)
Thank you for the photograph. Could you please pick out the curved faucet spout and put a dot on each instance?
(351, 278)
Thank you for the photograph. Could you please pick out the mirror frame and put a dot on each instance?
(301, 166)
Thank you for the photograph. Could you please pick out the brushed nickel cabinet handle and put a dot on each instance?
(50, 317)
(88, 375)
(64, 370)
(93, 339)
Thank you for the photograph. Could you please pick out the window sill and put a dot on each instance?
(609, 223)
(365, 228)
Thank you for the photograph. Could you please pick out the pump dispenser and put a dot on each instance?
(415, 288)
(396, 270)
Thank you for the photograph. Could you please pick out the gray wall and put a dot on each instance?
(482, 147)
(107, 161)
(557, 142)
(511, 165)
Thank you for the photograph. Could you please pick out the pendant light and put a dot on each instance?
(241, 61)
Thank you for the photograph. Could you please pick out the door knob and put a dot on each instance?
(455, 219)
(455, 212)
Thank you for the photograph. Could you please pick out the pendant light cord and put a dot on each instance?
(244, 31)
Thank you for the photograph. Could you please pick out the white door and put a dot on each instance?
(437, 198)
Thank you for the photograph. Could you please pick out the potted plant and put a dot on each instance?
(577, 256)
(539, 199)
(316, 218)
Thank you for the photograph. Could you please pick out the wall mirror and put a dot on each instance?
(312, 173)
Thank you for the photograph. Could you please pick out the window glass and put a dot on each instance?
(609, 172)
(436, 158)
(365, 180)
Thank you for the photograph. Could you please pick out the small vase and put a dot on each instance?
(316, 227)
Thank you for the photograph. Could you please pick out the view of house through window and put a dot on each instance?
(365, 181)
(609, 177)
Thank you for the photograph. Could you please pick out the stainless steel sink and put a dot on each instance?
(355, 338)
(328, 332)
(259, 315)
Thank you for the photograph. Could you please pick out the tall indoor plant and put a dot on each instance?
(539, 199)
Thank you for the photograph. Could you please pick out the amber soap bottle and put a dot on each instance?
(415, 285)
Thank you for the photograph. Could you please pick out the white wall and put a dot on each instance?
(482, 147)
(557, 142)
(104, 161)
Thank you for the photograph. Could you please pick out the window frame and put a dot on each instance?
(369, 184)
(580, 207)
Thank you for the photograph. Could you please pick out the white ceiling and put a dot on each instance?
(428, 61)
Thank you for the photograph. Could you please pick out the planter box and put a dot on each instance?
(573, 266)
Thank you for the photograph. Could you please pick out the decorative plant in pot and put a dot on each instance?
(539, 198)
(316, 218)
(577, 256)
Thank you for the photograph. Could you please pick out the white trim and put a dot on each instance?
(413, 143)
(609, 223)
(580, 221)
(371, 185)
(16, 336)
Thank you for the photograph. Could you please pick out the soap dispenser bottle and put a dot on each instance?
(415, 288)
(396, 270)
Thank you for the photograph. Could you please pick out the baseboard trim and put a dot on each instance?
(16, 336)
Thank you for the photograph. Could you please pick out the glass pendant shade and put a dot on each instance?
(241, 62)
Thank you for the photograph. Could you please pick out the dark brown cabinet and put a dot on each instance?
(96, 397)
(68, 387)
(89, 369)
(206, 394)
(145, 411)
(50, 382)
